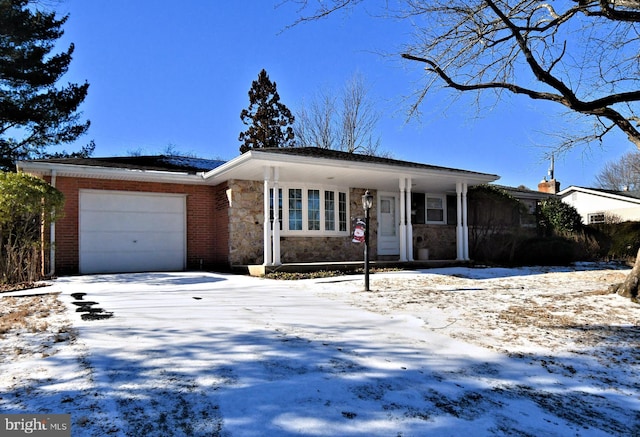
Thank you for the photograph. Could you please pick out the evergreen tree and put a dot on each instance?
(34, 113)
(270, 123)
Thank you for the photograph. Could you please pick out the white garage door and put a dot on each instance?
(131, 232)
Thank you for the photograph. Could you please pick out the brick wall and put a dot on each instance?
(207, 220)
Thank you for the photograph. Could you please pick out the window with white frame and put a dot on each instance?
(428, 208)
(311, 210)
(596, 218)
(271, 210)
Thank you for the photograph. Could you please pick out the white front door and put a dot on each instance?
(388, 238)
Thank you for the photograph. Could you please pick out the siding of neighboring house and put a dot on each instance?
(590, 205)
(207, 220)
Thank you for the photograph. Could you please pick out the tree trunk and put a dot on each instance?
(629, 288)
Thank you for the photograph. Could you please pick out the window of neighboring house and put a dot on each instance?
(315, 210)
(428, 208)
(596, 218)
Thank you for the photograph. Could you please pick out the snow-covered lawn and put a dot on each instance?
(447, 352)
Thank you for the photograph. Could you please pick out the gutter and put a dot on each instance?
(85, 171)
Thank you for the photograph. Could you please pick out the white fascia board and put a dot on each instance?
(572, 188)
(270, 158)
(87, 171)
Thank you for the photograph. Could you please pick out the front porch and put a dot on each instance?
(346, 266)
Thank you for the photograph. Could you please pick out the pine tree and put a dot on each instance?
(270, 121)
(34, 113)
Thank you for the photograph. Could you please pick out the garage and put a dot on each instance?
(131, 231)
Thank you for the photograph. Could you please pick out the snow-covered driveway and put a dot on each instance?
(210, 354)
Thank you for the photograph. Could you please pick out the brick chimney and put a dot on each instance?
(552, 186)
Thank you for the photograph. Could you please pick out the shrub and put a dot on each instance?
(623, 239)
(556, 216)
(495, 231)
(26, 203)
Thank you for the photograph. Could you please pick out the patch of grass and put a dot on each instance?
(23, 313)
(292, 276)
(21, 286)
(13, 317)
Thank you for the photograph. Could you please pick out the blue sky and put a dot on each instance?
(177, 73)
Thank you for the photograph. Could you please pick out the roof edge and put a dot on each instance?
(42, 168)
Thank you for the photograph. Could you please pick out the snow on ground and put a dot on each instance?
(446, 352)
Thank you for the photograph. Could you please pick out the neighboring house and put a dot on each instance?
(170, 213)
(599, 206)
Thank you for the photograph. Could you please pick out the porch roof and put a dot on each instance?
(331, 167)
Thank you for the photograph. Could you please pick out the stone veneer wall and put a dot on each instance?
(246, 220)
(439, 239)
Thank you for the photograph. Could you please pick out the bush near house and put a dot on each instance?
(497, 235)
(494, 219)
(26, 205)
(620, 241)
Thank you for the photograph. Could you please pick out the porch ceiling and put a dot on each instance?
(369, 175)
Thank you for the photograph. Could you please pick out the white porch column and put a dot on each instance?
(409, 224)
(465, 224)
(268, 260)
(403, 227)
(276, 218)
(459, 237)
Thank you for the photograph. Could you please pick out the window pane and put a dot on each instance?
(434, 202)
(435, 209)
(435, 215)
(329, 211)
(342, 211)
(295, 209)
(313, 202)
(596, 218)
(279, 205)
(385, 206)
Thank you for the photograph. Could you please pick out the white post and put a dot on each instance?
(403, 227)
(409, 224)
(276, 217)
(459, 237)
(267, 225)
(465, 224)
